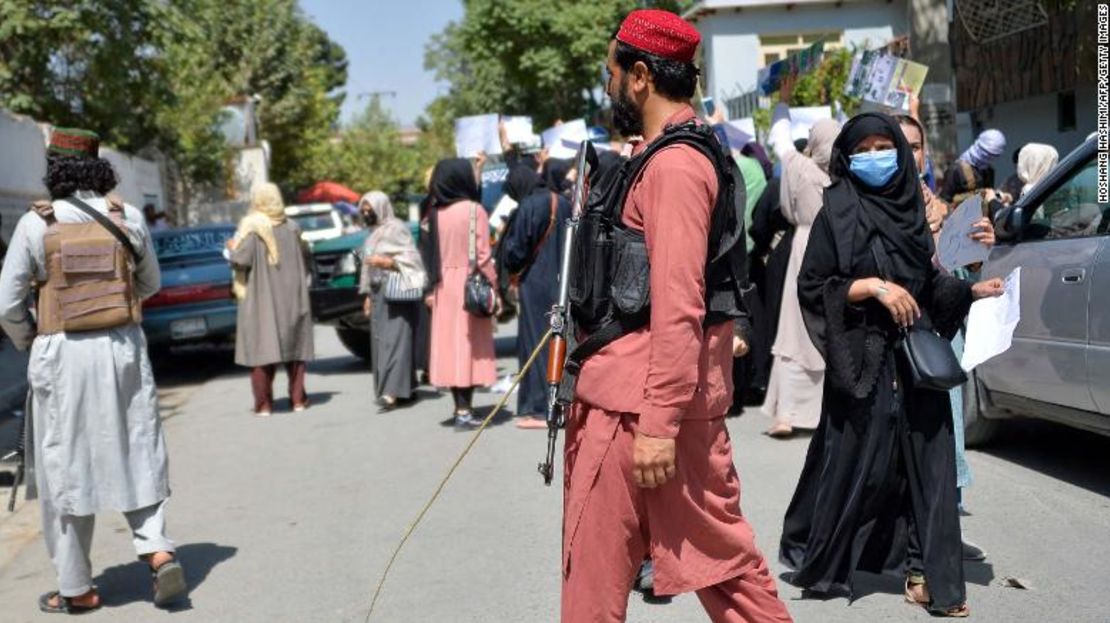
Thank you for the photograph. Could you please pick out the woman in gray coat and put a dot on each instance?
(271, 284)
(392, 281)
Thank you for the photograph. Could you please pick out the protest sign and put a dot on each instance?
(518, 130)
(991, 323)
(803, 118)
(476, 134)
(770, 78)
(879, 77)
(558, 140)
(956, 247)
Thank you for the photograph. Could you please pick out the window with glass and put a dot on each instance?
(1072, 211)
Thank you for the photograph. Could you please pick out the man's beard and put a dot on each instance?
(627, 117)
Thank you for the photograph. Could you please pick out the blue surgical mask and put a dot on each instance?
(874, 168)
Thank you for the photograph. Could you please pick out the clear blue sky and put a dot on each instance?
(384, 40)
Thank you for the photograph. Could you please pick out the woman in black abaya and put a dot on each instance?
(877, 492)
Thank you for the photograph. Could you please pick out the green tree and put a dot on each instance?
(155, 73)
(823, 86)
(526, 57)
(368, 155)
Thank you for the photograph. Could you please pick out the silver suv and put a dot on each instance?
(1058, 367)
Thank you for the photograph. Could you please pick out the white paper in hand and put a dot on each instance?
(955, 247)
(476, 134)
(518, 130)
(991, 324)
(557, 139)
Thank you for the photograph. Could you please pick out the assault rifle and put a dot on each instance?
(18, 453)
(585, 163)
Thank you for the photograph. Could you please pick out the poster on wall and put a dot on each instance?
(770, 78)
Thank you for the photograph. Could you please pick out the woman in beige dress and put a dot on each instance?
(798, 374)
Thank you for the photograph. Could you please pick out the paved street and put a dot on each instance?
(293, 518)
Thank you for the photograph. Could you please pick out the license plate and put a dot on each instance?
(188, 328)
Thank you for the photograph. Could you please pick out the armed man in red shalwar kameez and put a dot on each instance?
(649, 466)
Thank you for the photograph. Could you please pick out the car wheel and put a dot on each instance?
(978, 429)
(355, 340)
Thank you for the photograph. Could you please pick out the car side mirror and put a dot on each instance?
(1008, 224)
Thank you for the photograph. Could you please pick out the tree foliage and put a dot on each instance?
(369, 155)
(155, 73)
(823, 86)
(528, 57)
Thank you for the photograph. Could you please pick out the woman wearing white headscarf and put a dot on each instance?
(393, 281)
(798, 373)
(271, 284)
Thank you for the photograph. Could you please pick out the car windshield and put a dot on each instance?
(191, 242)
(314, 222)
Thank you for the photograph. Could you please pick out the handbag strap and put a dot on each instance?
(546, 234)
(472, 245)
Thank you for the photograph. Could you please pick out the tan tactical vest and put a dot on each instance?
(90, 284)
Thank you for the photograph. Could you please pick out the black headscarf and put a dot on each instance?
(896, 212)
(452, 181)
(523, 181)
(555, 174)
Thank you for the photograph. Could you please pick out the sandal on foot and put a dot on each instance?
(780, 431)
(169, 583)
(531, 423)
(911, 598)
(959, 612)
(66, 605)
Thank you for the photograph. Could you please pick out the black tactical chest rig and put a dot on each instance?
(610, 281)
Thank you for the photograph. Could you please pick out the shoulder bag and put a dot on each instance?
(479, 297)
(929, 358)
(396, 290)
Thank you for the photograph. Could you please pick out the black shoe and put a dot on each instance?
(385, 406)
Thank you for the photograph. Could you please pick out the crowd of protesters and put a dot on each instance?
(841, 237)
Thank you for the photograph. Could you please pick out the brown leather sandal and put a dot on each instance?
(959, 612)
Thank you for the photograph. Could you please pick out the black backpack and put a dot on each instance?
(609, 286)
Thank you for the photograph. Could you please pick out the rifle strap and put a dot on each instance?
(107, 224)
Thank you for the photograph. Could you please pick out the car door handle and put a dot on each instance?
(1074, 276)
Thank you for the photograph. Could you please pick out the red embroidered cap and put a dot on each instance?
(661, 33)
(74, 142)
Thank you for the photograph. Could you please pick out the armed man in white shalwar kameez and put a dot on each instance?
(96, 442)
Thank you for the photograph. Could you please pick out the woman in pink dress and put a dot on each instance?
(462, 354)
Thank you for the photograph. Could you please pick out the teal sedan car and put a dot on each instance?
(195, 304)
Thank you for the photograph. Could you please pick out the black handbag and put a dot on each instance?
(928, 357)
(931, 362)
(479, 297)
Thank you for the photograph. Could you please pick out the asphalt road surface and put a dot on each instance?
(292, 518)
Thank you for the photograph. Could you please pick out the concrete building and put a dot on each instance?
(742, 36)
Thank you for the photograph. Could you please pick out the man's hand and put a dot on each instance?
(428, 300)
(367, 307)
(652, 460)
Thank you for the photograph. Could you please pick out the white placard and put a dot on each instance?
(955, 247)
(556, 139)
(476, 134)
(745, 125)
(518, 130)
(991, 324)
(802, 119)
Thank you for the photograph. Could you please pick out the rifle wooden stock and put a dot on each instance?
(556, 360)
